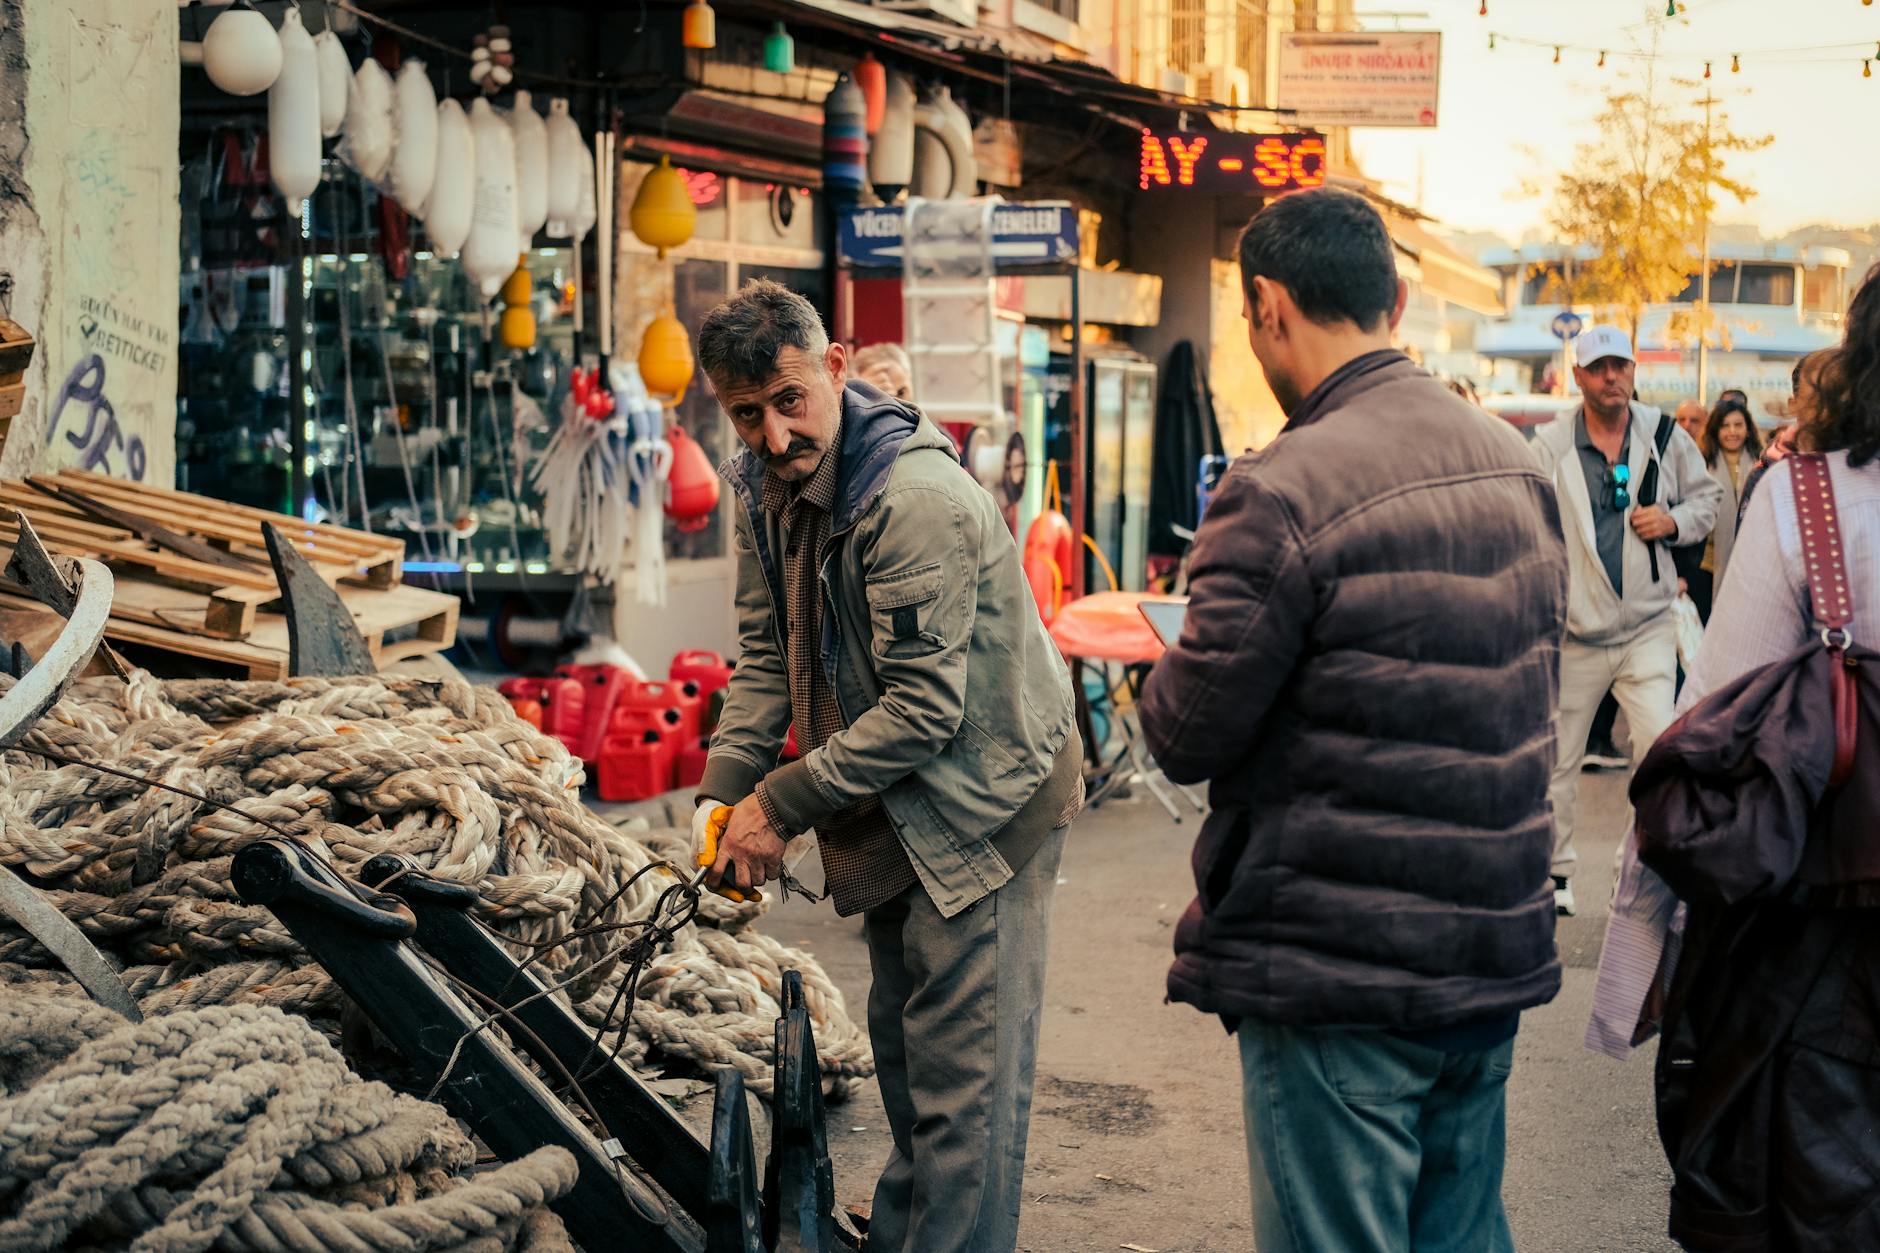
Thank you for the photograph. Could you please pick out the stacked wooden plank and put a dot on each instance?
(222, 612)
(16, 353)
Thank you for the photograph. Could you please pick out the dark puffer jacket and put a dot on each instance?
(1368, 678)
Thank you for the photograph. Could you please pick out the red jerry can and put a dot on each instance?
(602, 686)
(561, 706)
(530, 711)
(660, 694)
(636, 766)
(629, 720)
(710, 671)
(691, 767)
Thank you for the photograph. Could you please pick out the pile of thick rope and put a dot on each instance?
(237, 1128)
(441, 772)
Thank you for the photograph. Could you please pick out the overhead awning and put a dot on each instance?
(1444, 272)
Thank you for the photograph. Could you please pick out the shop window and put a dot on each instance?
(698, 286)
(775, 214)
(1188, 35)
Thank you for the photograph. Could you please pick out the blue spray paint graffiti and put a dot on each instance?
(102, 435)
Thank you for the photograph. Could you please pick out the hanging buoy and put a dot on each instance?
(942, 160)
(587, 213)
(891, 152)
(663, 216)
(567, 155)
(294, 116)
(701, 26)
(414, 159)
(872, 77)
(517, 326)
(691, 484)
(453, 189)
(845, 140)
(965, 160)
(336, 75)
(368, 144)
(779, 50)
(666, 358)
(531, 169)
(489, 255)
(240, 51)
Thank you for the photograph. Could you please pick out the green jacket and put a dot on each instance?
(956, 700)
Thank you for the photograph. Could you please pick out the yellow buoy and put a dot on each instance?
(666, 358)
(517, 326)
(663, 216)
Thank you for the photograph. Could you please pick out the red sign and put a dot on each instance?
(1232, 163)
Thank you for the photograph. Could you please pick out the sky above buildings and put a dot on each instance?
(1510, 112)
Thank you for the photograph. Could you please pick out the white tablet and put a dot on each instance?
(1165, 618)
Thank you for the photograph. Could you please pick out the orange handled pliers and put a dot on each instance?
(714, 830)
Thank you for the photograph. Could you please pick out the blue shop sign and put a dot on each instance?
(1043, 233)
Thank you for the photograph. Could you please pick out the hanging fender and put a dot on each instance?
(1048, 551)
(932, 119)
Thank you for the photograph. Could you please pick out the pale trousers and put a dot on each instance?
(1643, 676)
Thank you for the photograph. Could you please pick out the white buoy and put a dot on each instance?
(294, 116)
(240, 51)
(891, 152)
(414, 154)
(447, 212)
(567, 154)
(531, 169)
(368, 146)
(336, 76)
(489, 255)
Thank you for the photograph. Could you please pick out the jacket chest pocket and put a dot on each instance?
(903, 612)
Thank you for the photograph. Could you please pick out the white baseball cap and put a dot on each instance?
(1602, 342)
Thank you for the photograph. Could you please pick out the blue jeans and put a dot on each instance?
(1360, 1142)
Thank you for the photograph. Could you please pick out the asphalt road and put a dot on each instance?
(1136, 1135)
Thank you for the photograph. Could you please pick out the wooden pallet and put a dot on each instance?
(398, 623)
(219, 601)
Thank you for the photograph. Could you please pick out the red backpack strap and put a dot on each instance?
(1824, 560)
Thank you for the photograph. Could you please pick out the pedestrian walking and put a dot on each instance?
(873, 577)
(1802, 381)
(1691, 417)
(1767, 1095)
(1630, 484)
(1731, 445)
(1366, 679)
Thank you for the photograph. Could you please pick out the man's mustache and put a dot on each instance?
(796, 449)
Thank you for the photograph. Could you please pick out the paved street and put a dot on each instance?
(1136, 1138)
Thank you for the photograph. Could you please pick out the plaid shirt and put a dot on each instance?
(864, 863)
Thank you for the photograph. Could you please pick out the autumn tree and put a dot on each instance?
(1641, 194)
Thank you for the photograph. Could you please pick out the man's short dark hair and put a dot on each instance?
(739, 340)
(1330, 250)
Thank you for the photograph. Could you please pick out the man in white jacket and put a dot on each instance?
(1631, 485)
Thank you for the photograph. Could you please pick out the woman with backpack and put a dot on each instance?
(1768, 1082)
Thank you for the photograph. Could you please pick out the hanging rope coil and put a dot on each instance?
(443, 773)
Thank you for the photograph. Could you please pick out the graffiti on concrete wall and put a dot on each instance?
(102, 444)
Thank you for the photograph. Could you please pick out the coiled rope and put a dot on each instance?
(238, 1128)
(443, 773)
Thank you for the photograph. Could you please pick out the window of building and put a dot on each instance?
(1543, 286)
(1188, 35)
(1250, 46)
(1765, 285)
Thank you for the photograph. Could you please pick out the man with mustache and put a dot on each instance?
(1632, 486)
(874, 576)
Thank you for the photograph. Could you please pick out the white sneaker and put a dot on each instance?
(1563, 897)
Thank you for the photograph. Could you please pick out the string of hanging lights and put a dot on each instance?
(1810, 54)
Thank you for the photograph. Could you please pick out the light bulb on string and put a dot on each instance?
(1491, 41)
(1706, 69)
(1556, 56)
(1483, 11)
(1736, 64)
(1602, 58)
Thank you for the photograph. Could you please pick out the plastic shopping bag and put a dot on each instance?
(1690, 630)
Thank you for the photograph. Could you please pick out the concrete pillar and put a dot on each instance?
(89, 106)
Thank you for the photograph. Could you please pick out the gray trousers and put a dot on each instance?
(953, 1016)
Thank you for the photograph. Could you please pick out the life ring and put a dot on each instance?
(1048, 562)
